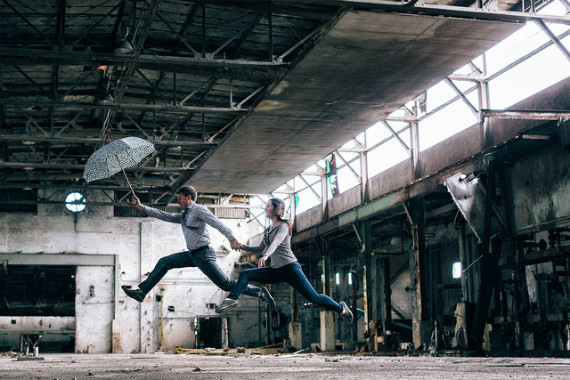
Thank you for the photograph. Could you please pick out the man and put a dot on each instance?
(193, 219)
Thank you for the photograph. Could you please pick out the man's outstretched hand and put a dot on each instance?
(135, 202)
(235, 245)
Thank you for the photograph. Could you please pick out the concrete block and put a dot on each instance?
(327, 331)
(296, 335)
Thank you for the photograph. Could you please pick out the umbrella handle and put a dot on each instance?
(127, 178)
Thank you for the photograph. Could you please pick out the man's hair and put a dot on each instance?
(188, 191)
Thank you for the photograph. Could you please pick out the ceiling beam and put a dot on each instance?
(41, 165)
(157, 62)
(433, 10)
(96, 140)
(126, 106)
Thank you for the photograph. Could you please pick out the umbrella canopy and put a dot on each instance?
(115, 156)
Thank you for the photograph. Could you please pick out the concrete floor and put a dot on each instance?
(281, 366)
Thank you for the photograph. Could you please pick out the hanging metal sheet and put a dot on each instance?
(470, 196)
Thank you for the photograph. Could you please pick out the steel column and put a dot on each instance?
(416, 217)
(364, 233)
(489, 272)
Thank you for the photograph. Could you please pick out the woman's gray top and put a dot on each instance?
(276, 244)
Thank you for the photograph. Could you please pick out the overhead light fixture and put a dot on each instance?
(107, 98)
(125, 46)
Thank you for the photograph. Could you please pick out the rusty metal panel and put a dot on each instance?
(470, 197)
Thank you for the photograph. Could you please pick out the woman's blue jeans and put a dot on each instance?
(203, 259)
(291, 274)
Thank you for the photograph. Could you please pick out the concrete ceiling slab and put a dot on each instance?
(367, 66)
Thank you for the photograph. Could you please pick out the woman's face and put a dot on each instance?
(269, 210)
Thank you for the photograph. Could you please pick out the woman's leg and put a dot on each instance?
(265, 275)
(294, 276)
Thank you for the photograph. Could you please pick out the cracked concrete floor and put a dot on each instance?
(282, 366)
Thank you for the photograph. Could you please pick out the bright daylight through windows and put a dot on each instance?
(523, 64)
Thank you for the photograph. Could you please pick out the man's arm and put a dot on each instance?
(213, 221)
(151, 211)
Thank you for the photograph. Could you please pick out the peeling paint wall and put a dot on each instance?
(138, 244)
(541, 187)
(94, 309)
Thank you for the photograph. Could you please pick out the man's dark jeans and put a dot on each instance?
(293, 275)
(205, 260)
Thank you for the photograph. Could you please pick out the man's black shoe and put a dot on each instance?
(227, 304)
(264, 295)
(135, 294)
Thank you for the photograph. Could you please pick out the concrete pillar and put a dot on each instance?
(327, 331)
(147, 341)
(116, 337)
(295, 327)
(384, 290)
(420, 318)
(225, 337)
(369, 282)
(327, 317)
(296, 335)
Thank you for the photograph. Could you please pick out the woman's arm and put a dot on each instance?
(257, 250)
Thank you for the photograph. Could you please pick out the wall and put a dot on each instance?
(138, 243)
(541, 187)
(52, 329)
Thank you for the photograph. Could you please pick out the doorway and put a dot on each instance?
(210, 332)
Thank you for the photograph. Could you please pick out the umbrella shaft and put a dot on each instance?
(127, 178)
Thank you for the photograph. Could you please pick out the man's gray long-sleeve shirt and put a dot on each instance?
(193, 221)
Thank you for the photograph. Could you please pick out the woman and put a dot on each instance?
(284, 267)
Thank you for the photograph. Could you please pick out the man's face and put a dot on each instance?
(183, 200)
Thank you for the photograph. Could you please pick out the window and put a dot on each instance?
(75, 202)
(35, 290)
(456, 270)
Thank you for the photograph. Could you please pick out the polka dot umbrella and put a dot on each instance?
(115, 156)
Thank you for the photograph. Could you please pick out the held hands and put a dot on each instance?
(236, 245)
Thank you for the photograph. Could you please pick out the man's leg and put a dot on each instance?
(206, 261)
(176, 260)
(264, 275)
